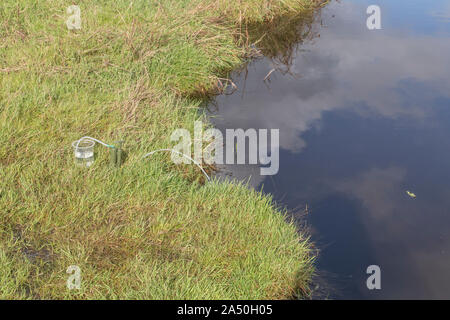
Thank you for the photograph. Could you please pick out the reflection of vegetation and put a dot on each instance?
(278, 38)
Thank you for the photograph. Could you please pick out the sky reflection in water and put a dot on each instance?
(366, 118)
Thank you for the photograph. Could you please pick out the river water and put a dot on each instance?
(364, 117)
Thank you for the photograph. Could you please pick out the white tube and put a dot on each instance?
(195, 162)
(93, 139)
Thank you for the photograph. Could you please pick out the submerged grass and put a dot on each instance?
(134, 72)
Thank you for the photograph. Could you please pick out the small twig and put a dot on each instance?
(268, 75)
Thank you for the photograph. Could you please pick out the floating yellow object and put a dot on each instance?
(412, 195)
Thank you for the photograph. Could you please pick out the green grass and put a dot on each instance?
(151, 229)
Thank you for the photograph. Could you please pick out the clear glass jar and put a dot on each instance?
(84, 152)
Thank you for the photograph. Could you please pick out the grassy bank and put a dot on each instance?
(136, 71)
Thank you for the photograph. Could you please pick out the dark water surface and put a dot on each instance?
(364, 116)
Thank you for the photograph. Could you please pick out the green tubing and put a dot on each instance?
(115, 154)
(119, 153)
(112, 156)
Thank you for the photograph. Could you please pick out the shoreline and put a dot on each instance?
(149, 229)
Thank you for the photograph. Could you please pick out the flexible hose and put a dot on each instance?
(148, 154)
(93, 139)
(195, 162)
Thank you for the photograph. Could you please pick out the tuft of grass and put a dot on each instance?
(136, 71)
